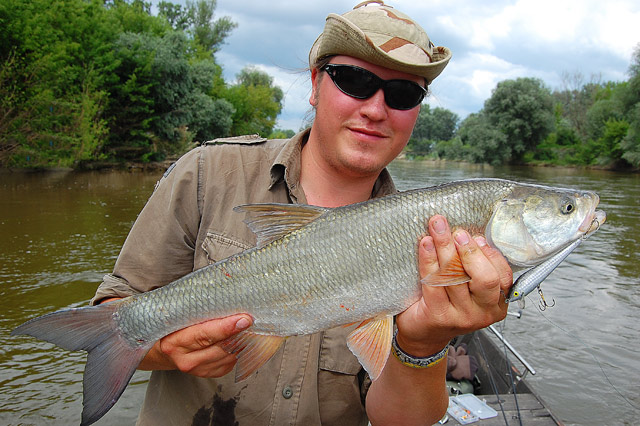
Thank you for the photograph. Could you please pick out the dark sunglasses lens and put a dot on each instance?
(356, 82)
(362, 84)
(402, 94)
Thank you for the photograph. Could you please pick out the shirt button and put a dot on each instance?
(287, 392)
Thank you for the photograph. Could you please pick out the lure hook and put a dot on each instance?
(588, 233)
(543, 305)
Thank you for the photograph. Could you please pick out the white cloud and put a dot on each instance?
(491, 41)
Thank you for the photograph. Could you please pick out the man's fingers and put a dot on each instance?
(211, 332)
(485, 290)
(427, 257)
(196, 350)
(212, 361)
(499, 262)
(203, 335)
(441, 234)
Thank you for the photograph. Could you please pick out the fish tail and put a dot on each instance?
(111, 359)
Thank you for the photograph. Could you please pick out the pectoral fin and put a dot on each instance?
(452, 273)
(371, 344)
(252, 351)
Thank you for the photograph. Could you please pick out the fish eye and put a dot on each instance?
(568, 208)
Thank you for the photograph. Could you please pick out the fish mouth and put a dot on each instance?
(594, 217)
(598, 218)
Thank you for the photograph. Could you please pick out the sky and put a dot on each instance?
(561, 42)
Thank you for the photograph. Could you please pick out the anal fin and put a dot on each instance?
(252, 350)
(371, 343)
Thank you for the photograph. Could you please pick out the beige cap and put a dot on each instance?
(379, 34)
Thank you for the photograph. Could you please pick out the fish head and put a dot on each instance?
(534, 222)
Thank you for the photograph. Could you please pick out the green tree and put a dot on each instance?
(522, 110)
(438, 124)
(257, 102)
(576, 99)
(452, 149)
(609, 144)
(483, 142)
(198, 20)
(177, 17)
(431, 127)
(631, 142)
(207, 32)
(161, 101)
(281, 134)
(59, 58)
(599, 114)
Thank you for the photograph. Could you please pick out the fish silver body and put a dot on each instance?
(316, 268)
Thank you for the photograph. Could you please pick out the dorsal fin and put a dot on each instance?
(270, 221)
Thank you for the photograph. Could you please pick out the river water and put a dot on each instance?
(61, 231)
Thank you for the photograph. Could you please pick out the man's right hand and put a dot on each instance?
(196, 349)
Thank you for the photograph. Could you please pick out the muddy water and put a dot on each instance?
(60, 232)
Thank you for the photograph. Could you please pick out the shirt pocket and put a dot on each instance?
(341, 381)
(335, 355)
(218, 247)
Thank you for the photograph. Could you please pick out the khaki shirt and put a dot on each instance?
(188, 223)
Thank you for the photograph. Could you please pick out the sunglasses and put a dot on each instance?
(362, 84)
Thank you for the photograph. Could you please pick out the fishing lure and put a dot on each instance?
(531, 279)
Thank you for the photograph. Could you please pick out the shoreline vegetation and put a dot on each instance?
(93, 84)
(161, 166)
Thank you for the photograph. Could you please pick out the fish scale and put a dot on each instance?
(314, 269)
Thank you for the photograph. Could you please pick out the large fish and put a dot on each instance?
(316, 268)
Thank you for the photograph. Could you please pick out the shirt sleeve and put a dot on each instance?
(161, 244)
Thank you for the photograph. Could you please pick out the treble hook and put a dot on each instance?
(589, 232)
(543, 305)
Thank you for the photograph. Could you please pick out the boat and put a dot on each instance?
(500, 383)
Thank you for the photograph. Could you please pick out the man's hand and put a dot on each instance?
(445, 312)
(196, 349)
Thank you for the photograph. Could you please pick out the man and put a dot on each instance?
(369, 72)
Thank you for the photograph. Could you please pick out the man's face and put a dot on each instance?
(359, 137)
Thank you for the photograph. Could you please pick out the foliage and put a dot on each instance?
(484, 142)
(197, 20)
(438, 124)
(281, 134)
(576, 99)
(160, 95)
(257, 102)
(55, 59)
(631, 142)
(86, 80)
(452, 149)
(522, 110)
(432, 126)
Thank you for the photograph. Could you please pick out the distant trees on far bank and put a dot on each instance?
(585, 123)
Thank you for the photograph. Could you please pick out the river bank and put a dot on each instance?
(163, 165)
